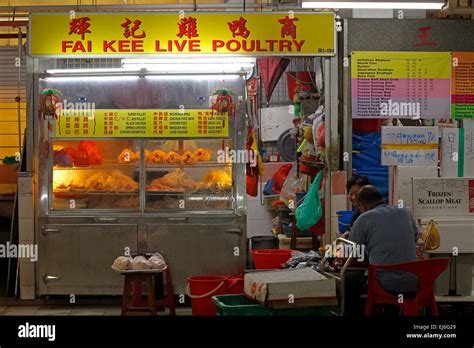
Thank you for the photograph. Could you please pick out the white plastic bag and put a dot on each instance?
(293, 183)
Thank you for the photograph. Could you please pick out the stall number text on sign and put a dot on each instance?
(137, 33)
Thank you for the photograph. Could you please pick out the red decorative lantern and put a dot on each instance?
(50, 103)
(222, 102)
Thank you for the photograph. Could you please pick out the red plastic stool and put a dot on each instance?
(426, 270)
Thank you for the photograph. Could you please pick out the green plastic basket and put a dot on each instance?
(239, 305)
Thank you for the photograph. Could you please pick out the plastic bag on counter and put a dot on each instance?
(63, 159)
(156, 261)
(140, 262)
(122, 263)
(294, 183)
(88, 153)
(310, 259)
(310, 212)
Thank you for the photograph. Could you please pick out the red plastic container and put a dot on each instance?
(201, 289)
(270, 258)
(235, 285)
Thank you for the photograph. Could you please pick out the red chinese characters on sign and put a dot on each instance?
(424, 37)
(288, 28)
(127, 32)
(187, 27)
(80, 26)
(238, 28)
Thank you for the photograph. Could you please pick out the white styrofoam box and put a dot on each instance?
(454, 233)
(457, 277)
(302, 283)
(401, 182)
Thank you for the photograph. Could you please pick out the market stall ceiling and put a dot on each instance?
(376, 4)
(102, 2)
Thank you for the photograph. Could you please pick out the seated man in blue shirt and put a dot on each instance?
(388, 234)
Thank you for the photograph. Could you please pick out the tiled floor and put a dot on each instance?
(76, 310)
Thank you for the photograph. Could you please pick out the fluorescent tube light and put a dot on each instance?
(89, 71)
(190, 60)
(195, 77)
(90, 78)
(193, 68)
(419, 5)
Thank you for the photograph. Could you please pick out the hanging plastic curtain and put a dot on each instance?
(271, 70)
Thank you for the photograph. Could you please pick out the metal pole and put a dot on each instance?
(18, 98)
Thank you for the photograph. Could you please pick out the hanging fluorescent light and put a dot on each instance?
(194, 68)
(92, 71)
(192, 65)
(190, 60)
(377, 4)
(235, 65)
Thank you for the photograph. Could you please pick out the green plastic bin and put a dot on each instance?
(239, 305)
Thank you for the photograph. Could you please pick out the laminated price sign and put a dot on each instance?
(462, 86)
(401, 84)
(142, 123)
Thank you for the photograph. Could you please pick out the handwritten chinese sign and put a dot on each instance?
(462, 86)
(457, 152)
(401, 84)
(150, 33)
(442, 197)
(143, 123)
(410, 146)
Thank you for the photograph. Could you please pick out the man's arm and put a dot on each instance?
(358, 232)
(413, 224)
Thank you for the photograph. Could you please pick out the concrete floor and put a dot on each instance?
(76, 310)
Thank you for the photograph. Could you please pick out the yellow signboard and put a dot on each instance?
(100, 34)
(142, 123)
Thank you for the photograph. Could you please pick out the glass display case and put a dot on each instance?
(187, 174)
(94, 174)
(149, 168)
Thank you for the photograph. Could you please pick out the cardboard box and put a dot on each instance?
(290, 286)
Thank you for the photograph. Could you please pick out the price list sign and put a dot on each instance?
(143, 123)
(462, 97)
(400, 84)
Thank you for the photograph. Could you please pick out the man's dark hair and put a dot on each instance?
(369, 196)
(357, 180)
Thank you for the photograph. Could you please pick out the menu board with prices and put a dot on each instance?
(401, 84)
(462, 97)
(143, 123)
